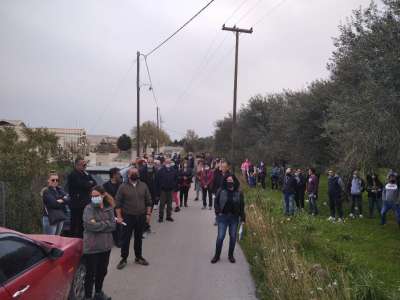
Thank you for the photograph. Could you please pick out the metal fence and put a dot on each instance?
(2, 204)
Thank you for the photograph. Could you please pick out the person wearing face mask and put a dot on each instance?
(374, 189)
(185, 180)
(356, 188)
(134, 208)
(262, 174)
(229, 209)
(206, 181)
(391, 198)
(54, 210)
(99, 223)
(80, 184)
(166, 184)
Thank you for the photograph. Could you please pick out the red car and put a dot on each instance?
(40, 267)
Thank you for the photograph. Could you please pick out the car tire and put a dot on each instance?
(77, 291)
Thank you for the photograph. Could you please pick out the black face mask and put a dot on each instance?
(229, 185)
(134, 177)
(393, 181)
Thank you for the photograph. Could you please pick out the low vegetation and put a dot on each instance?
(307, 257)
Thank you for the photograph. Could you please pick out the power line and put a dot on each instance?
(279, 4)
(113, 94)
(151, 82)
(179, 29)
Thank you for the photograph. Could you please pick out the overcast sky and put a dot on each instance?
(69, 63)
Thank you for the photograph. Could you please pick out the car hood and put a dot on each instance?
(56, 241)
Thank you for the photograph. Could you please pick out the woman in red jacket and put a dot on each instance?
(206, 181)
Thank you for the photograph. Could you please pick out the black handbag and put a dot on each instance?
(55, 215)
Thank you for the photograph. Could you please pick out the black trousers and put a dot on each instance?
(300, 199)
(165, 200)
(135, 225)
(96, 270)
(261, 179)
(77, 222)
(183, 195)
(336, 205)
(204, 194)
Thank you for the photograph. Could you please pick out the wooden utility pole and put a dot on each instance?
(138, 104)
(236, 30)
(158, 133)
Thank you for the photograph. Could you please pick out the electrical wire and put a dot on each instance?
(113, 95)
(151, 82)
(179, 29)
(279, 4)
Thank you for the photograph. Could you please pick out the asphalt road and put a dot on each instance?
(179, 254)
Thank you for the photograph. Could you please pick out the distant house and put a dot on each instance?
(18, 125)
(96, 140)
(169, 150)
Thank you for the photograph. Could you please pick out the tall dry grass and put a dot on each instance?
(280, 270)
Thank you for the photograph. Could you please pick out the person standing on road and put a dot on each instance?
(356, 188)
(54, 210)
(111, 187)
(166, 183)
(391, 198)
(374, 189)
(80, 184)
(99, 223)
(312, 191)
(133, 207)
(335, 188)
(197, 178)
(206, 179)
(229, 208)
(289, 192)
(185, 180)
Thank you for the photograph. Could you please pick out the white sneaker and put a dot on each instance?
(331, 219)
(360, 216)
(340, 220)
(351, 216)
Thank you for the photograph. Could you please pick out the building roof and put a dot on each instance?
(13, 123)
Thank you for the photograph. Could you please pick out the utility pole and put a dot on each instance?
(138, 104)
(236, 30)
(158, 132)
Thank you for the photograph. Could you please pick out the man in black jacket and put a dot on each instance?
(80, 184)
(289, 192)
(166, 183)
(111, 187)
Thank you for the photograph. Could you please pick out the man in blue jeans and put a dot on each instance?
(229, 209)
(391, 198)
(289, 192)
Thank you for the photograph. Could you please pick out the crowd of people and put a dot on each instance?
(295, 185)
(106, 216)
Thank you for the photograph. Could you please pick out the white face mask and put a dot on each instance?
(97, 200)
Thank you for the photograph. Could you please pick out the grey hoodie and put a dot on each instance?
(99, 223)
(391, 193)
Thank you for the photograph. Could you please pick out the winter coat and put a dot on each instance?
(80, 185)
(238, 200)
(98, 224)
(206, 178)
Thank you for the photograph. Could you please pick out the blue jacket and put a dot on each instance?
(166, 180)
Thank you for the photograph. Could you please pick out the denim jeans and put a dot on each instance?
(51, 229)
(373, 201)
(225, 222)
(289, 203)
(388, 206)
(312, 202)
(356, 203)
